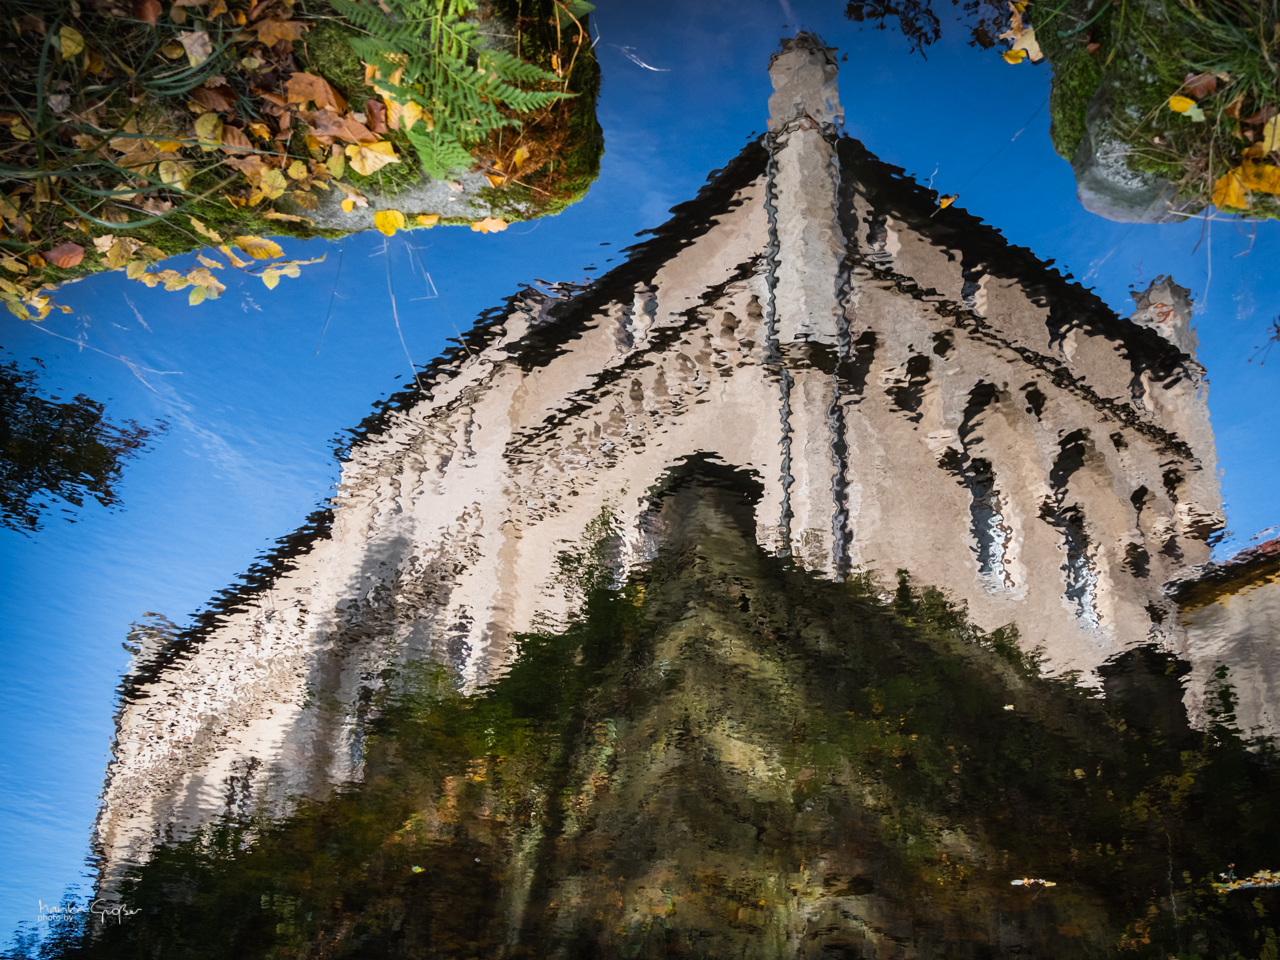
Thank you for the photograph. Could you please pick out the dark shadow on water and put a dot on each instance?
(724, 756)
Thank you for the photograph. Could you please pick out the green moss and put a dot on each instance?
(1075, 80)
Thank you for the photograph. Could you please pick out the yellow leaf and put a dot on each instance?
(17, 310)
(489, 225)
(197, 294)
(368, 158)
(210, 262)
(277, 215)
(1262, 177)
(428, 219)
(209, 131)
(260, 248)
(389, 221)
(273, 184)
(1229, 191)
(270, 278)
(1181, 104)
(72, 42)
(121, 252)
(231, 255)
(337, 164)
(205, 231)
(297, 170)
(522, 154)
(944, 202)
(174, 173)
(1014, 56)
(1270, 135)
(198, 46)
(135, 269)
(348, 205)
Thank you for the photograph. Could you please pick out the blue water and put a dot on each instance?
(254, 396)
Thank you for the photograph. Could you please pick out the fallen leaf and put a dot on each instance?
(271, 31)
(521, 155)
(428, 219)
(306, 199)
(1270, 140)
(135, 270)
(65, 255)
(489, 225)
(209, 131)
(210, 262)
(102, 244)
(260, 248)
(1262, 177)
(308, 88)
(1014, 56)
(13, 264)
(233, 139)
(121, 252)
(218, 98)
(204, 231)
(273, 184)
(197, 295)
(389, 221)
(231, 255)
(348, 205)
(336, 165)
(291, 218)
(148, 11)
(71, 41)
(326, 123)
(1200, 85)
(297, 170)
(1180, 104)
(156, 206)
(260, 130)
(37, 262)
(174, 173)
(197, 44)
(376, 114)
(1233, 108)
(1229, 192)
(944, 202)
(368, 158)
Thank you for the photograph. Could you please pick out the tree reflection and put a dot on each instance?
(52, 449)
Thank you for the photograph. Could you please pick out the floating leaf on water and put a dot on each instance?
(428, 219)
(1014, 56)
(489, 225)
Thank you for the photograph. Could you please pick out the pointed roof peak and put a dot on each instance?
(804, 73)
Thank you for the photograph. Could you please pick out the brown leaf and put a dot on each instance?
(233, 139)
(307, 87)
(1260, 116)
(65, 255)
(252, 166)
(271, 30)
(377, 116)
(220, 98)
(1200, 85)
(1233, 108)
(306, 200)
(326, 123)
(148, 11)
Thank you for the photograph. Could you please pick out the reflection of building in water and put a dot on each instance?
(1230, 616)
(911, 391)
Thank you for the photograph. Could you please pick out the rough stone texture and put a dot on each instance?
(912, 393)
(1107, 186)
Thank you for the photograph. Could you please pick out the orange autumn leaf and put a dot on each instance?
(307, 87)
(489, 225)
(65, 255)
(271, 30)
(326, 123)
(1229, 191)
(1262, 177)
